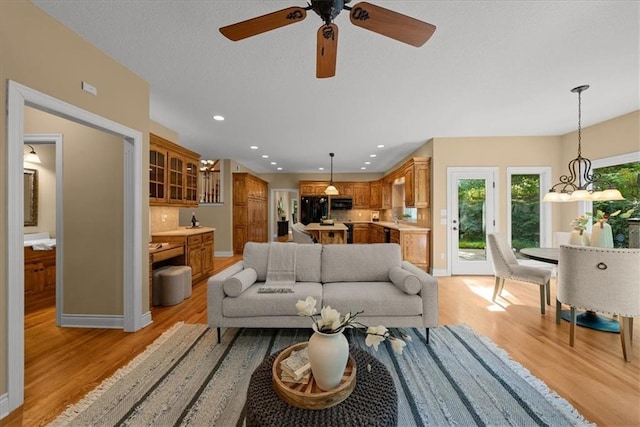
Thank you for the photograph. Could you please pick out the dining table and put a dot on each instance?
(588, 319)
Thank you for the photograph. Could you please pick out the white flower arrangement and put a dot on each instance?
(331, 322)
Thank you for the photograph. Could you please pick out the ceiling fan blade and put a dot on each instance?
(391, 24)
(327, 51)
(264, 23)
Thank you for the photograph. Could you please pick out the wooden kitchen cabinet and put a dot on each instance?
(313, 188)
(361, 195)
(375, 194)
(376, 234)
(417, 182)
(360, 233)
(386, 189)
(250, 210)
(415, 248)
(394, 236)
(173, 174)
(39, 271)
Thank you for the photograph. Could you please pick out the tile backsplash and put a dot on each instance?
(163, 218)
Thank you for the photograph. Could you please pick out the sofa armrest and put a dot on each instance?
(215, 293)
(429, 294)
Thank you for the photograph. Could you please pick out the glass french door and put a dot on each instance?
(471, 217)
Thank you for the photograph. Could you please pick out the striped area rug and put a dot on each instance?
(186, 378)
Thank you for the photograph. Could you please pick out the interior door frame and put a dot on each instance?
(493, 201)
(57, 140)
(18, 97)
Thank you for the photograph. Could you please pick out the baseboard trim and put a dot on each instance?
(92, 321)
(223, 254)
(440, 272)
(4, 405)
(146, 319)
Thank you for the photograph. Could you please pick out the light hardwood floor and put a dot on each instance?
(62, 364)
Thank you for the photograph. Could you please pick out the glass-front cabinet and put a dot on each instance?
(173, 173)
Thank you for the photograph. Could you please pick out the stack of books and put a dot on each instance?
(296, 368)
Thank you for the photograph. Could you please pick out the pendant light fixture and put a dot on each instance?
(581, 183)
(331, 189)
(31, 157)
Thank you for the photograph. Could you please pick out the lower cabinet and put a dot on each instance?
(360, 233)
(39, 271)
(198, 252)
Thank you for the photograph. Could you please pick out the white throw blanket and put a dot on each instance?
(281, 268)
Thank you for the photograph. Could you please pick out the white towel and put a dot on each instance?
(281, 268)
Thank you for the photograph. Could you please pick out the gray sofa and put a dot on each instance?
(354, 277)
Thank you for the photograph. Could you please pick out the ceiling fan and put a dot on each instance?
(366, 15)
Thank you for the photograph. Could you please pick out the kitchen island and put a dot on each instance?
(328, 234)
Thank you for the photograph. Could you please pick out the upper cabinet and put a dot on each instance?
(417, 182)
(173, 173)
(361, 195)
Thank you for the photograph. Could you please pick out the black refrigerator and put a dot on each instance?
(313, 208)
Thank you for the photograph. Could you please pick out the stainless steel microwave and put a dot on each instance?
(341, 203)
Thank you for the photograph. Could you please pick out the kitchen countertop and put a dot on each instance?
(314, 226)
(184, 231)
(392, 225)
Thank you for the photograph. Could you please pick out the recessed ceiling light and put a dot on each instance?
(279, 168)
(273, 163)
(218, 117)
(372, 155)
(363, 168)
(380, 145)
(254, 147)
(367, 163)
(265, 156)
(320, 169)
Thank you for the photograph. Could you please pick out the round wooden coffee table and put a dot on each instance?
(373, 402)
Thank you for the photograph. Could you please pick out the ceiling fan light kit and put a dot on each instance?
(365, 15)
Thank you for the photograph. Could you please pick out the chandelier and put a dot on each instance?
(581, 183)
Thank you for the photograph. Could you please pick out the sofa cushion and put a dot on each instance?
(256, 256)
(308, 257)
(239, 282)
(374, 298)
(308, 263)
(407, 282)
(250, 303)
(359, 262)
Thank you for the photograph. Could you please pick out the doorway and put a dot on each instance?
(284, 212)
(472, 214)
(18, 97)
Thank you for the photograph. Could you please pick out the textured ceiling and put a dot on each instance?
(492, 68)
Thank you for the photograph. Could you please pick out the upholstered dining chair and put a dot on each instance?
(299, 234)
(506, 266)
(600, 279)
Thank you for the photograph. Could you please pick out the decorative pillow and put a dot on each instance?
(236, 284)
(407, 282)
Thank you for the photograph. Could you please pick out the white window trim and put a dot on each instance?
(621, 159)
(545, 208)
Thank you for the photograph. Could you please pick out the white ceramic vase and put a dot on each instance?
(328, 355)
(579, 238)
(601, 235)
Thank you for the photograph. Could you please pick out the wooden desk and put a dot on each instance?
(328, 234)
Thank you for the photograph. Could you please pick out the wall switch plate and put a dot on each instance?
(89, 89)
(443, 221)
(443, 212)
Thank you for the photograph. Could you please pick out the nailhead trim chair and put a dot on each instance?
(600, 279)
(506, 266)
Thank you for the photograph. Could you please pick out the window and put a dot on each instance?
(623, 172)
(528, 220)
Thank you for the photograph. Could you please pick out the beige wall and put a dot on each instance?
(93, 209)
(620, 135)
(499, 152)
(39, 52)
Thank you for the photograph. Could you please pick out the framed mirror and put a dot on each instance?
(30, 197)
